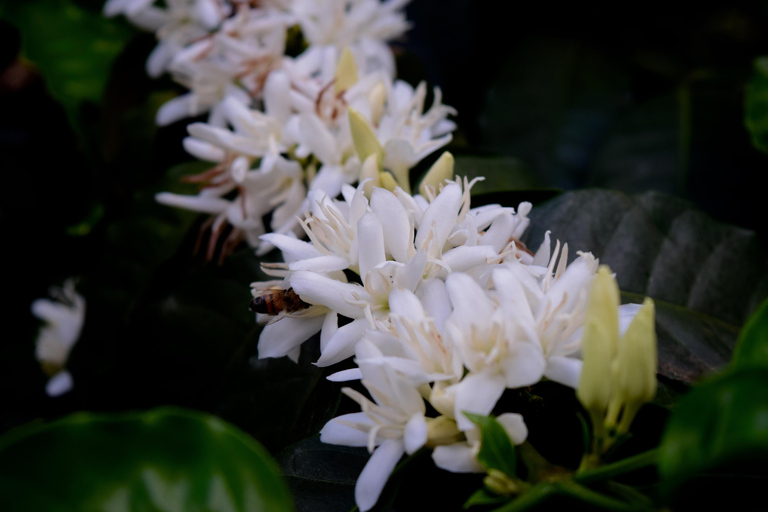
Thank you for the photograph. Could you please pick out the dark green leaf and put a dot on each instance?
(501, 173)
(483, 497)
(752, 346)
(73, 46)
(756, 115)
(706, 277)
(162, 460)
(322, 476)
(715, 448)
(551, 105)
(496, 448)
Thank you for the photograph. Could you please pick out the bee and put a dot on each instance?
(275, 301)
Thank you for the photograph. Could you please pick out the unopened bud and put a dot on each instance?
(440, 171)
(346, 71)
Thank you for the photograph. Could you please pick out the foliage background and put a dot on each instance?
(549, 100)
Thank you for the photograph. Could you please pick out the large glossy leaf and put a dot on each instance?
(715, 449)
(752, 346)
(706, 277)
(322, 476)
(162, 460)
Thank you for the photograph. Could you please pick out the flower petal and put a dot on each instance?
(376, 473)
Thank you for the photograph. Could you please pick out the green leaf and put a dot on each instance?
(550, 106)
(715, 448)
(322, 476)
(75, 61)
(161, 460)
(706, 277)
(752, 346)
(483, 497)
(756, 115)
(496, 448)
(500, 173)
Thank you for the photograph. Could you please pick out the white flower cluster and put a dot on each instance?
(446, 307)
(281, 127)
(63, 319)
(223, 48)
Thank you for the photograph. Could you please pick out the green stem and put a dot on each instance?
(617, 468)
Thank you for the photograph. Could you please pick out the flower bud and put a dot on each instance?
(598, 345)
(440, 171)
(636, 364)
(442, 431)
(365, 140)
(346, 71)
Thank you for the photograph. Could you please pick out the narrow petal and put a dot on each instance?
(337, 432)
(342, 344)
(371, 243)
(415, 433)
(316, 289)
(376, 473)
(279, 338)
(398, 231)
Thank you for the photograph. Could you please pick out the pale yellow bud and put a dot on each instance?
(376, 98)
(443, 401)
(346, 71)
(439, 172)
(364, 138)
(387, 181)
(636, 364)
(499, 483)
(442, 431)
(370, 170)
(598, 345)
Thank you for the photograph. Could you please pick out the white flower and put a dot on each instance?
(390, 426)
(461, 457)
(64, 320)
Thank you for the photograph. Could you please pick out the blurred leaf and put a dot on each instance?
(551, 105)
(76, 59)
(496, 448)
(500, 173)
(163, 460)
(756, 115)
(706, 277)
(752, 346)
(714, 452)
(483, 497)
(322, 476)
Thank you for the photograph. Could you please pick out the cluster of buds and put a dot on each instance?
(619, 373)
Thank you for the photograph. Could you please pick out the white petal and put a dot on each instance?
(442, 212)
(525, 364)
(316, 289)
(463, 258)
(59, 383)
(478, 394)
(376, 473)
(202, 204)
(437, 303)
(292, 248)
(415, 433)
(279, 338)
(458, 458)
(342, 344)
(335, 432)
(564, 370)
(514, 425)
(371, 243)
(327, 263)
(346, 375)
(398, 232)
(471, 304)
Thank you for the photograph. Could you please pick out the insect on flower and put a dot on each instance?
(276, 300)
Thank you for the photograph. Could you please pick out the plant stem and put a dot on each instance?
(617, 468)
